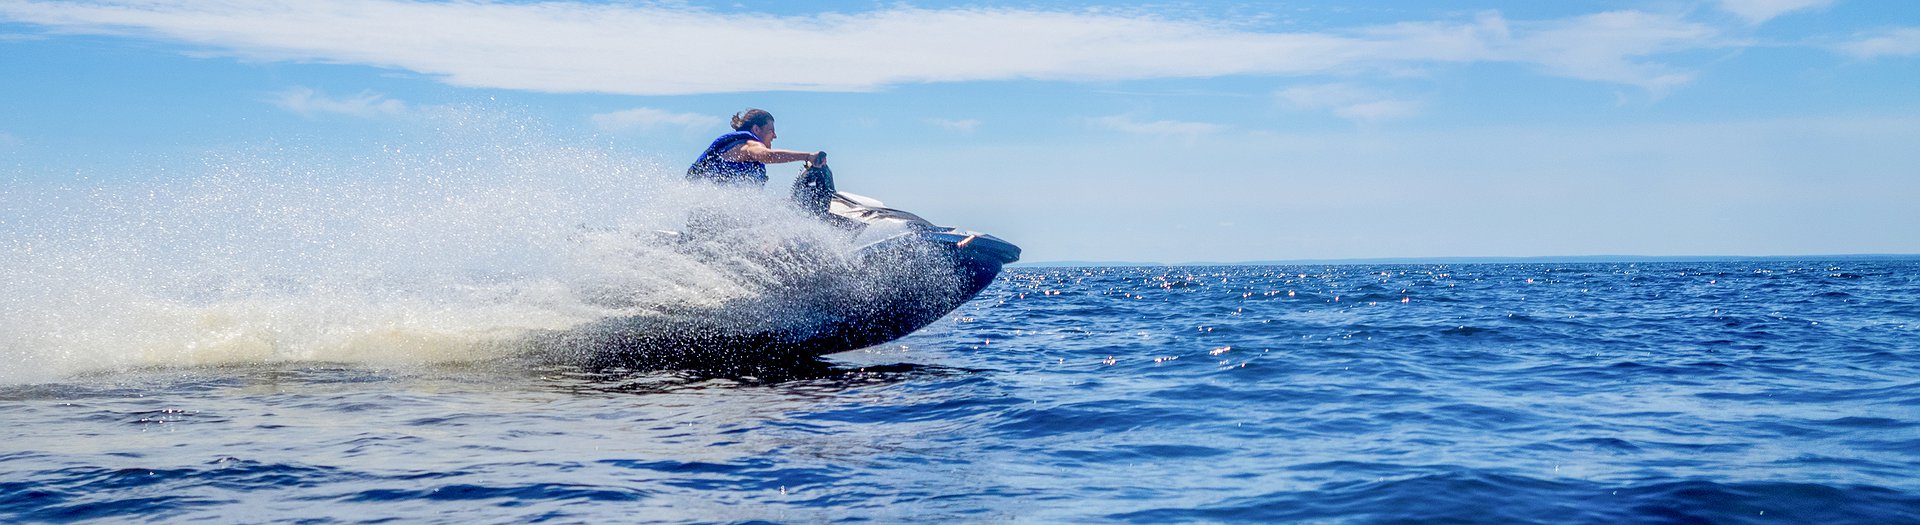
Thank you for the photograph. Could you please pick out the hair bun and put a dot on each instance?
(750, 118)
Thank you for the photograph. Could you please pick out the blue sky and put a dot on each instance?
(1215, 131)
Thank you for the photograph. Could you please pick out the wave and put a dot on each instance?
(1485, 497)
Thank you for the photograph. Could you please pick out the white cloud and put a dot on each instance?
(661, 49)
(7, 140)
(309, 102)
(963, 126)
(1757, 11)
(1346, 101)
(1903, 41)
(1157, 127)
(650, 118)
(1603, 47)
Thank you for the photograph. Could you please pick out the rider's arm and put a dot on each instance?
(753, 151)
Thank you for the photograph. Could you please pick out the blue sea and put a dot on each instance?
(1764, 391)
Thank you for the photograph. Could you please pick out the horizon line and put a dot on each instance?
(1485, 260)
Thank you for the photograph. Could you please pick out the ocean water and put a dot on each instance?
(280, 335)
(1723, 392)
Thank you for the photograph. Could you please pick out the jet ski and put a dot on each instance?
(903, 274)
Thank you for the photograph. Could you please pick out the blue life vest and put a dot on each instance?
(712, 167)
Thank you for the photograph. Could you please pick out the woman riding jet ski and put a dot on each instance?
(903, 274)
(741, 157)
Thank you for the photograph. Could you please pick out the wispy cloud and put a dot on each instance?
(963, 125)
(1605, 47)
(651, 118)
(1758, 11)
(1903, 41)
(1158, 127)
(664, 49)
(7, 140)
(1347, 101)
(309, 102)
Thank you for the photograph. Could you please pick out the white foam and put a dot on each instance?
(443, 249)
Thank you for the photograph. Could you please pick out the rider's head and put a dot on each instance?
(757, 121)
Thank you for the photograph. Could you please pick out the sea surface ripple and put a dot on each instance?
(1724, 392)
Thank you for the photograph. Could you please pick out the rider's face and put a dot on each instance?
(765, 132)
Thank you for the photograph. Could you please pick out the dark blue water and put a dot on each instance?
(1727, 392)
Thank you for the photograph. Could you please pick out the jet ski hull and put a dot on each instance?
(908, 281)
(908, 274)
